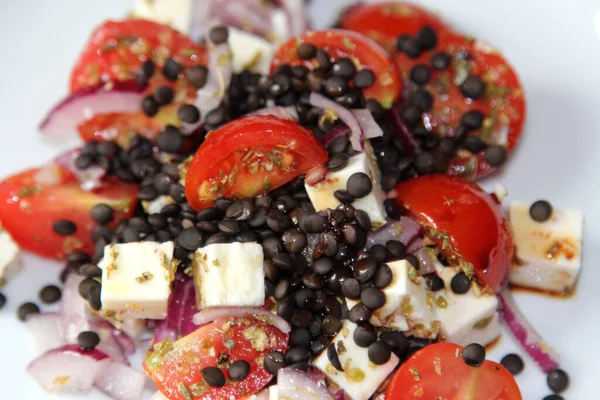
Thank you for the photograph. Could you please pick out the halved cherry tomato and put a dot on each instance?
(250, 156)
(117, 49)
(363, 51)
(115, 52)
(385, 22)
(467, 222)
(503, 104)
(176, 367)
(28, 210)
(438, 371)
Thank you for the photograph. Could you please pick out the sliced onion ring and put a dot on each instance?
(370, 128)
(209, 315)
(89, 178)
(531, 341)
(277, 111)
(119, 381)
(405, 231)
(64, 118)
(315, 175)
(356, 135)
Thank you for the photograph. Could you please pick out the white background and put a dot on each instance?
(555, 47)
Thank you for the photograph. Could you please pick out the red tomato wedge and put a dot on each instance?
(363, 51)
(115, 52)
(438, 371)
(176, 367)
(467, 222)
(503, 104)
(28, 210)
(385, 22)
(250, 156)
(117, 49)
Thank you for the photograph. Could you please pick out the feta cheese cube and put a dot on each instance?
(10, 257)
(177, 13)
(360, 378)
(273, 392)
(548, 254)
(229, 274)
(250, 52)
(465, 318)
(321, 195)
(136, 279)
(156, 205)
(409, 303)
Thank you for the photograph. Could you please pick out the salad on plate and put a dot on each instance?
(274, 212)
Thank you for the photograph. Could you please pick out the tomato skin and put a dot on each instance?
(28, 210)
(365, 52)
(232, 148)
(438, 371)
(117, 49)
(190, 354)
(472, 219)
(385, 22)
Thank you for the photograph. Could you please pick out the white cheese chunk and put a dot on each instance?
(250, 52)
(229, 274)
(466, 318)
(360, 378)
(10, 257)
(408, 303)
(273, 392)
(321, 195)
(156, 205)
(136, 279)
(548, 254)
(177, 13)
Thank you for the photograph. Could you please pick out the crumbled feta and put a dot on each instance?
(136, 279)
(273, 392)
(156, 205)
(229, 274)
(10, 257)
(408, 307)
(465, 318)
(360, 378)
(177, 13)
(321, 195)
(548, 254)
(250, 52)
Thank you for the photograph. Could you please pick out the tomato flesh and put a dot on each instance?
(438, 371)
(28, 210)
(467, 222)
(385, 22)
(364, 52)
(176, 367)
(250, 156)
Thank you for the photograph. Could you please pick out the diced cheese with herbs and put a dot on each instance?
(466, 318)
(321, 195)
(360, 378)
(229, 274)
(548, 254)
(136, 279)
(250, 52)
(408, 303)
(156, 205)
(10, 257)
(180, 14)
(273, 392)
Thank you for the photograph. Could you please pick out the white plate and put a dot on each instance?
(554, 46)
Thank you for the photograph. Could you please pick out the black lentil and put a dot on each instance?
(397, 249)
(27, 309)
(396, 341)
(408, 46)
(392, 209)
(473, 87)
(296, 354)
(425, 163)
(318, 344)
(365, 78)
(219, 34)
(472, 119)
(278, 221)
(460, 283)
(422, 99)
(495, 155)
(88, 340)
(188, 113)
(332, 356)
(553, 397)
(197, 76)
(2, 300)
(434, 282)
(540, 211)
(513, 363)
(557, 380)
(336, 86)
(411, 115)
(146, 71)
(474, 354)
(163, 95)
(300, 337)
(323, 59)
(359, 185)
(149, 106)
(359, 314)
(238, 370)
(365, 269)
(50, 294)
(306, 51)
(90, 271)
(440, 61)
(214, 376)
(383, 276)
(171, 69)
(426, 38)
(474, 144)
(343, 67)
(373, 298)
(64, 227)
(379, 352)
(102, 214)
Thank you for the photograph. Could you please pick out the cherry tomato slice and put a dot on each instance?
(117, 49)
(29, 209)
(250, 156)
(385, 22)
(364, 52)
(468, 223)
(503, 104)
(176, 367)
(438, 371)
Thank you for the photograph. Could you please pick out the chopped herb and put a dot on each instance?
(482, 324)
(183, 390)
(228, 343)
(348, 44)
(267, 184)
(216, 263)
(415, 374)
(276, 160)
(145, 277)
(441, 302)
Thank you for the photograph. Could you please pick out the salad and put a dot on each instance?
(274, 212)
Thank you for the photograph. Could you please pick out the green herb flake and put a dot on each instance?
(276, 160)
(183, 390)
(349, 44)
(144, 277)
(267, 184)
(482, 324)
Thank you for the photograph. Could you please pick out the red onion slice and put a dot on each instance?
(62, 121)
(401, 130)
(89, 178)
(277, 111)
(181, 310)
(44, 329)
(405, 231)
(297, 385)
(48, 176)
(426, 261)
(315, 175)
(73, 310)
(119, 381)
(531, 341)
(125, 342)
(370, 128)
(108, 342)
(356, 135)
(209, 315)
(298, 16)
(66, 369)
(340, 130)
